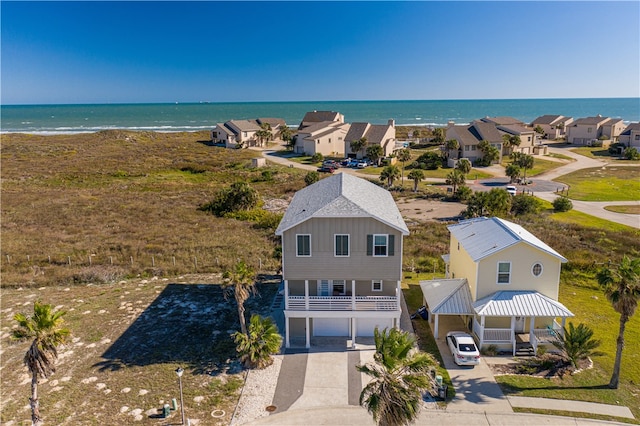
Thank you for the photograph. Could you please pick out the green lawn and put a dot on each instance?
(539, 165)
(602, 154)
(440, 173)
(583, 219)
(611, 183)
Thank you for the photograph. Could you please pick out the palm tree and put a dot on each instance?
(577, 343)
(524, 161)
(464, 166)
(455, 179)
(358, 145)
(390, 174)
(286, 134)
(242, 280)
(451, 145)
(400, 375)
(261, 341)
(416, 175)
(375, 152)
(45, 327)
(621, 286)
(403, 156)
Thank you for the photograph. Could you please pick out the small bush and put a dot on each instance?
(525, 204)
(562, 204)
(311, 178)
(463, 193)
(240, 196)
(491, 350)
(631, 153)
(317, 157)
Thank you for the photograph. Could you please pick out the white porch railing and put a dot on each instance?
(343, 303)
(492, 335)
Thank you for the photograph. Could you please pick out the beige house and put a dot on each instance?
(503, 281)
(631, 135)
(236, 133)
(585, 131)
(341, 260)
(554, 126)
(326, 138)
(468, 137)
(376, 134)
(514, 127)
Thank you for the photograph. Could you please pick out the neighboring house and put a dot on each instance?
(514, 127)
(314, 117)
(631, 135)
(554, 126)
(235, 133)
(341, 260)
(503, 281)
(585, 131)
(275, 124)
(326, 138)
(469, 136)
(376, 134)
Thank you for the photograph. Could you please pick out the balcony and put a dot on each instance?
(342, 303)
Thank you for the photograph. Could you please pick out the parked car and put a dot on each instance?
(511, 189)
(326, 169)
(362, 164)
(463, 348)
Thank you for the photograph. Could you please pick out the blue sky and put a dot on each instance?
(108, 52)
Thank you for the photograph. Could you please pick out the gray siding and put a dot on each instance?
(324, 265)
(363, 288)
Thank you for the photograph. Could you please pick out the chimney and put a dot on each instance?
(392, 122)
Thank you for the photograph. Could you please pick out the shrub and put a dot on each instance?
(616, 148)
(431, 160)
(577, 343)
(239, 196)
(463, 193)
(317, 157)
(631, 153)
(311, 178)
(562, 204)
(525, 204)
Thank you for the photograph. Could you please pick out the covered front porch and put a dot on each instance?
(510, 320)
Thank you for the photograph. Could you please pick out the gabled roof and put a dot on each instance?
(590, 120)
(520, 304)
(320, 127)
(245, 125)
(317, 116)
(506, 121)
(482, 237)
(357, 131)
(221, 127)
(273, 122)
(448, 296)
(630, 128)
(342, 195)
(373, 132)
(547, 119)
(486, 131)
(515, 129)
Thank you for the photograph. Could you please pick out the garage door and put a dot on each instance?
(331, 327)
(365, 326)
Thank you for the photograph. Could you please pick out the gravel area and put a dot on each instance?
(257, 394)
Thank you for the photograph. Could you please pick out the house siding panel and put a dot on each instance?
(522, 257)
(357, 266)
(462, 266)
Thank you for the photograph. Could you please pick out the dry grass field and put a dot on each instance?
(106, 226)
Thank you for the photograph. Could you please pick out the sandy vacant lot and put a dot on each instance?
(421, 209)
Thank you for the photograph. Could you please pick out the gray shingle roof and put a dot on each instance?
(520, 304)
(482, 237)
(506, 121)
(546, 119)
(590, 120)
(245, 125)
(356, 131)
(342, 195)
(631, 127)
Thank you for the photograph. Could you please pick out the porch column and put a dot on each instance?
(532, 335)
(398, 290)
(435, 326)
(306, 295)
(286, 331)
(286, 294)
(481, 330)
(307, 333)
(353, 332)
(564, 320)
(513, 334)
(353, 295)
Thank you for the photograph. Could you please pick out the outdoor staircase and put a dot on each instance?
(278, 300)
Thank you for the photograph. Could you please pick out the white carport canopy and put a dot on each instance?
(447, 297)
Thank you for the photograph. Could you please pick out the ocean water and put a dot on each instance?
(57, 119)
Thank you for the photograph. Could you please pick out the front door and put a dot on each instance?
(519, 325)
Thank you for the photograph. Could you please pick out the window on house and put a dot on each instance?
(637, 137)
(342, 245)
(303, 245)
(536, 269)
(504, 272)
(376, 285)
(589, 129)
(338, 287)
(380, 245)
(467, 147)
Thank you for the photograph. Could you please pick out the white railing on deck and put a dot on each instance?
(497, 335)
(343, 303)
